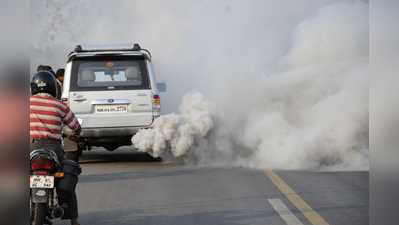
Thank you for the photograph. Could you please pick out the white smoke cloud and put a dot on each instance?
(312, 114)
(194, 136)
(178, 133)
(262, 100)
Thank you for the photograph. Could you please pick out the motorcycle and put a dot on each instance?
(50, 181)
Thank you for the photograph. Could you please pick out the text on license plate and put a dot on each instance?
(111, 108)
(38, 181)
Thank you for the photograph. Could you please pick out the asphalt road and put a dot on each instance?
(124, 187)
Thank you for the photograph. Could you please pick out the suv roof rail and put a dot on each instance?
(102, 48)
(105, 48)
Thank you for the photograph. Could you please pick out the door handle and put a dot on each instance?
(79, 99)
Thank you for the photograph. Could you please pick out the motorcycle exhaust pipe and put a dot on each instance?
(57, 212)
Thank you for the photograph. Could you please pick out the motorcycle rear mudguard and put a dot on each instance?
(39, 195)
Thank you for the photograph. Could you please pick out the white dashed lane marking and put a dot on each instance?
(306, 210)
(284, 212)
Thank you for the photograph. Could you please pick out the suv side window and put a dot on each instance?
(109, 73)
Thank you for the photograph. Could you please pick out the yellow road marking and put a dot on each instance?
(309, 213)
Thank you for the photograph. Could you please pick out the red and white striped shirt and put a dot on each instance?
(46, 116)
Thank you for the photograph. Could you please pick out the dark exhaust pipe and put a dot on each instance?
(57, 212)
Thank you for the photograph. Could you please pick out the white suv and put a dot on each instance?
(112, 89)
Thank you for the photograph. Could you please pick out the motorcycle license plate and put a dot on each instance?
(40, 181)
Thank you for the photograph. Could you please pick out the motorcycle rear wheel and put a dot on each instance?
(39, 216)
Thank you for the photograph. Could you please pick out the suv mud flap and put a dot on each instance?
(39, 195)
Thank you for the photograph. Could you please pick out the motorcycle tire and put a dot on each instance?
(39, 216)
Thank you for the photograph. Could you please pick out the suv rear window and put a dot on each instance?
(109, 73)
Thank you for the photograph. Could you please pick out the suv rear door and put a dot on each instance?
(111, 91)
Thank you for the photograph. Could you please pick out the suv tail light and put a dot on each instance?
(157, 103)
(65, 101)
(42, 164)
(156, 99)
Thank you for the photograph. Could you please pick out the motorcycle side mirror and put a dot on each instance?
(80, 120)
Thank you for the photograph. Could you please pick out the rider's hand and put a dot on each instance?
(73, 136)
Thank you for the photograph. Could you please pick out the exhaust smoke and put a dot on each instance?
(310, 115)
(194, 136)
(261, 100)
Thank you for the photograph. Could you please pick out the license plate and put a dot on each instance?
(39, 181)
(111, 109)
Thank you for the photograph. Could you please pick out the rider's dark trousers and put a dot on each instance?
(72, 210)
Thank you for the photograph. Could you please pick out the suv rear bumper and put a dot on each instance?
(108, 132)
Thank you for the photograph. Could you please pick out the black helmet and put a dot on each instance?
(44, 81)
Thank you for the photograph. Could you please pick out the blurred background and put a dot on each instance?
(188, 39)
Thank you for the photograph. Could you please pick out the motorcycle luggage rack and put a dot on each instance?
(36, 153)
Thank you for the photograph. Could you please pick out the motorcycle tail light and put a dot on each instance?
(41, 172)
(42, 164)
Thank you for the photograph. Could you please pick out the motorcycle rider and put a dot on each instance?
(59, 85)
(46, 116)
